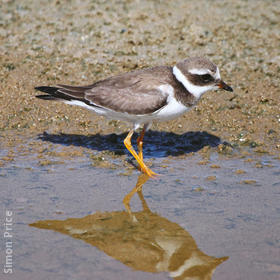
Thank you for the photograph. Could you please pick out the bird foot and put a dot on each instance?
(149, 172)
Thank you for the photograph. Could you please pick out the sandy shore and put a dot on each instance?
(48, 42)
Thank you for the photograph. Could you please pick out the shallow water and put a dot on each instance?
(198, 216)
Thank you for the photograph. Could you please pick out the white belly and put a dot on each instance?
(171, 111)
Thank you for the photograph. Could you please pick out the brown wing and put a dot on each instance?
(127, 100)
(133, 93)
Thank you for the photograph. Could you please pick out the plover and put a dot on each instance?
(153, 94)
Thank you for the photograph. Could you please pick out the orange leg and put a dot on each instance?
(144, 168)
(140, 143)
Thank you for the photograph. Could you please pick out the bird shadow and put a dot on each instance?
(156, 143)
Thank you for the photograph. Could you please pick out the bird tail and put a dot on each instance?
(62, 93)
(52, 93)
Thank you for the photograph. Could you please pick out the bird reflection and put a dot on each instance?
(141, 240)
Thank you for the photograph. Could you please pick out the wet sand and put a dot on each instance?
(219, 163)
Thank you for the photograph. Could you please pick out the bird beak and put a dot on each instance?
(221, 84)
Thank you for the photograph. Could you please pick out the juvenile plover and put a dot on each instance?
(153, 94)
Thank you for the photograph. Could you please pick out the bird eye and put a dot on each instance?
(206, 78)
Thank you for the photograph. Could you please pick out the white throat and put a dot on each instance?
(197, 91)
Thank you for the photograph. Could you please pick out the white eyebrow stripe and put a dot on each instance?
(217, 74)
(199, 71)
